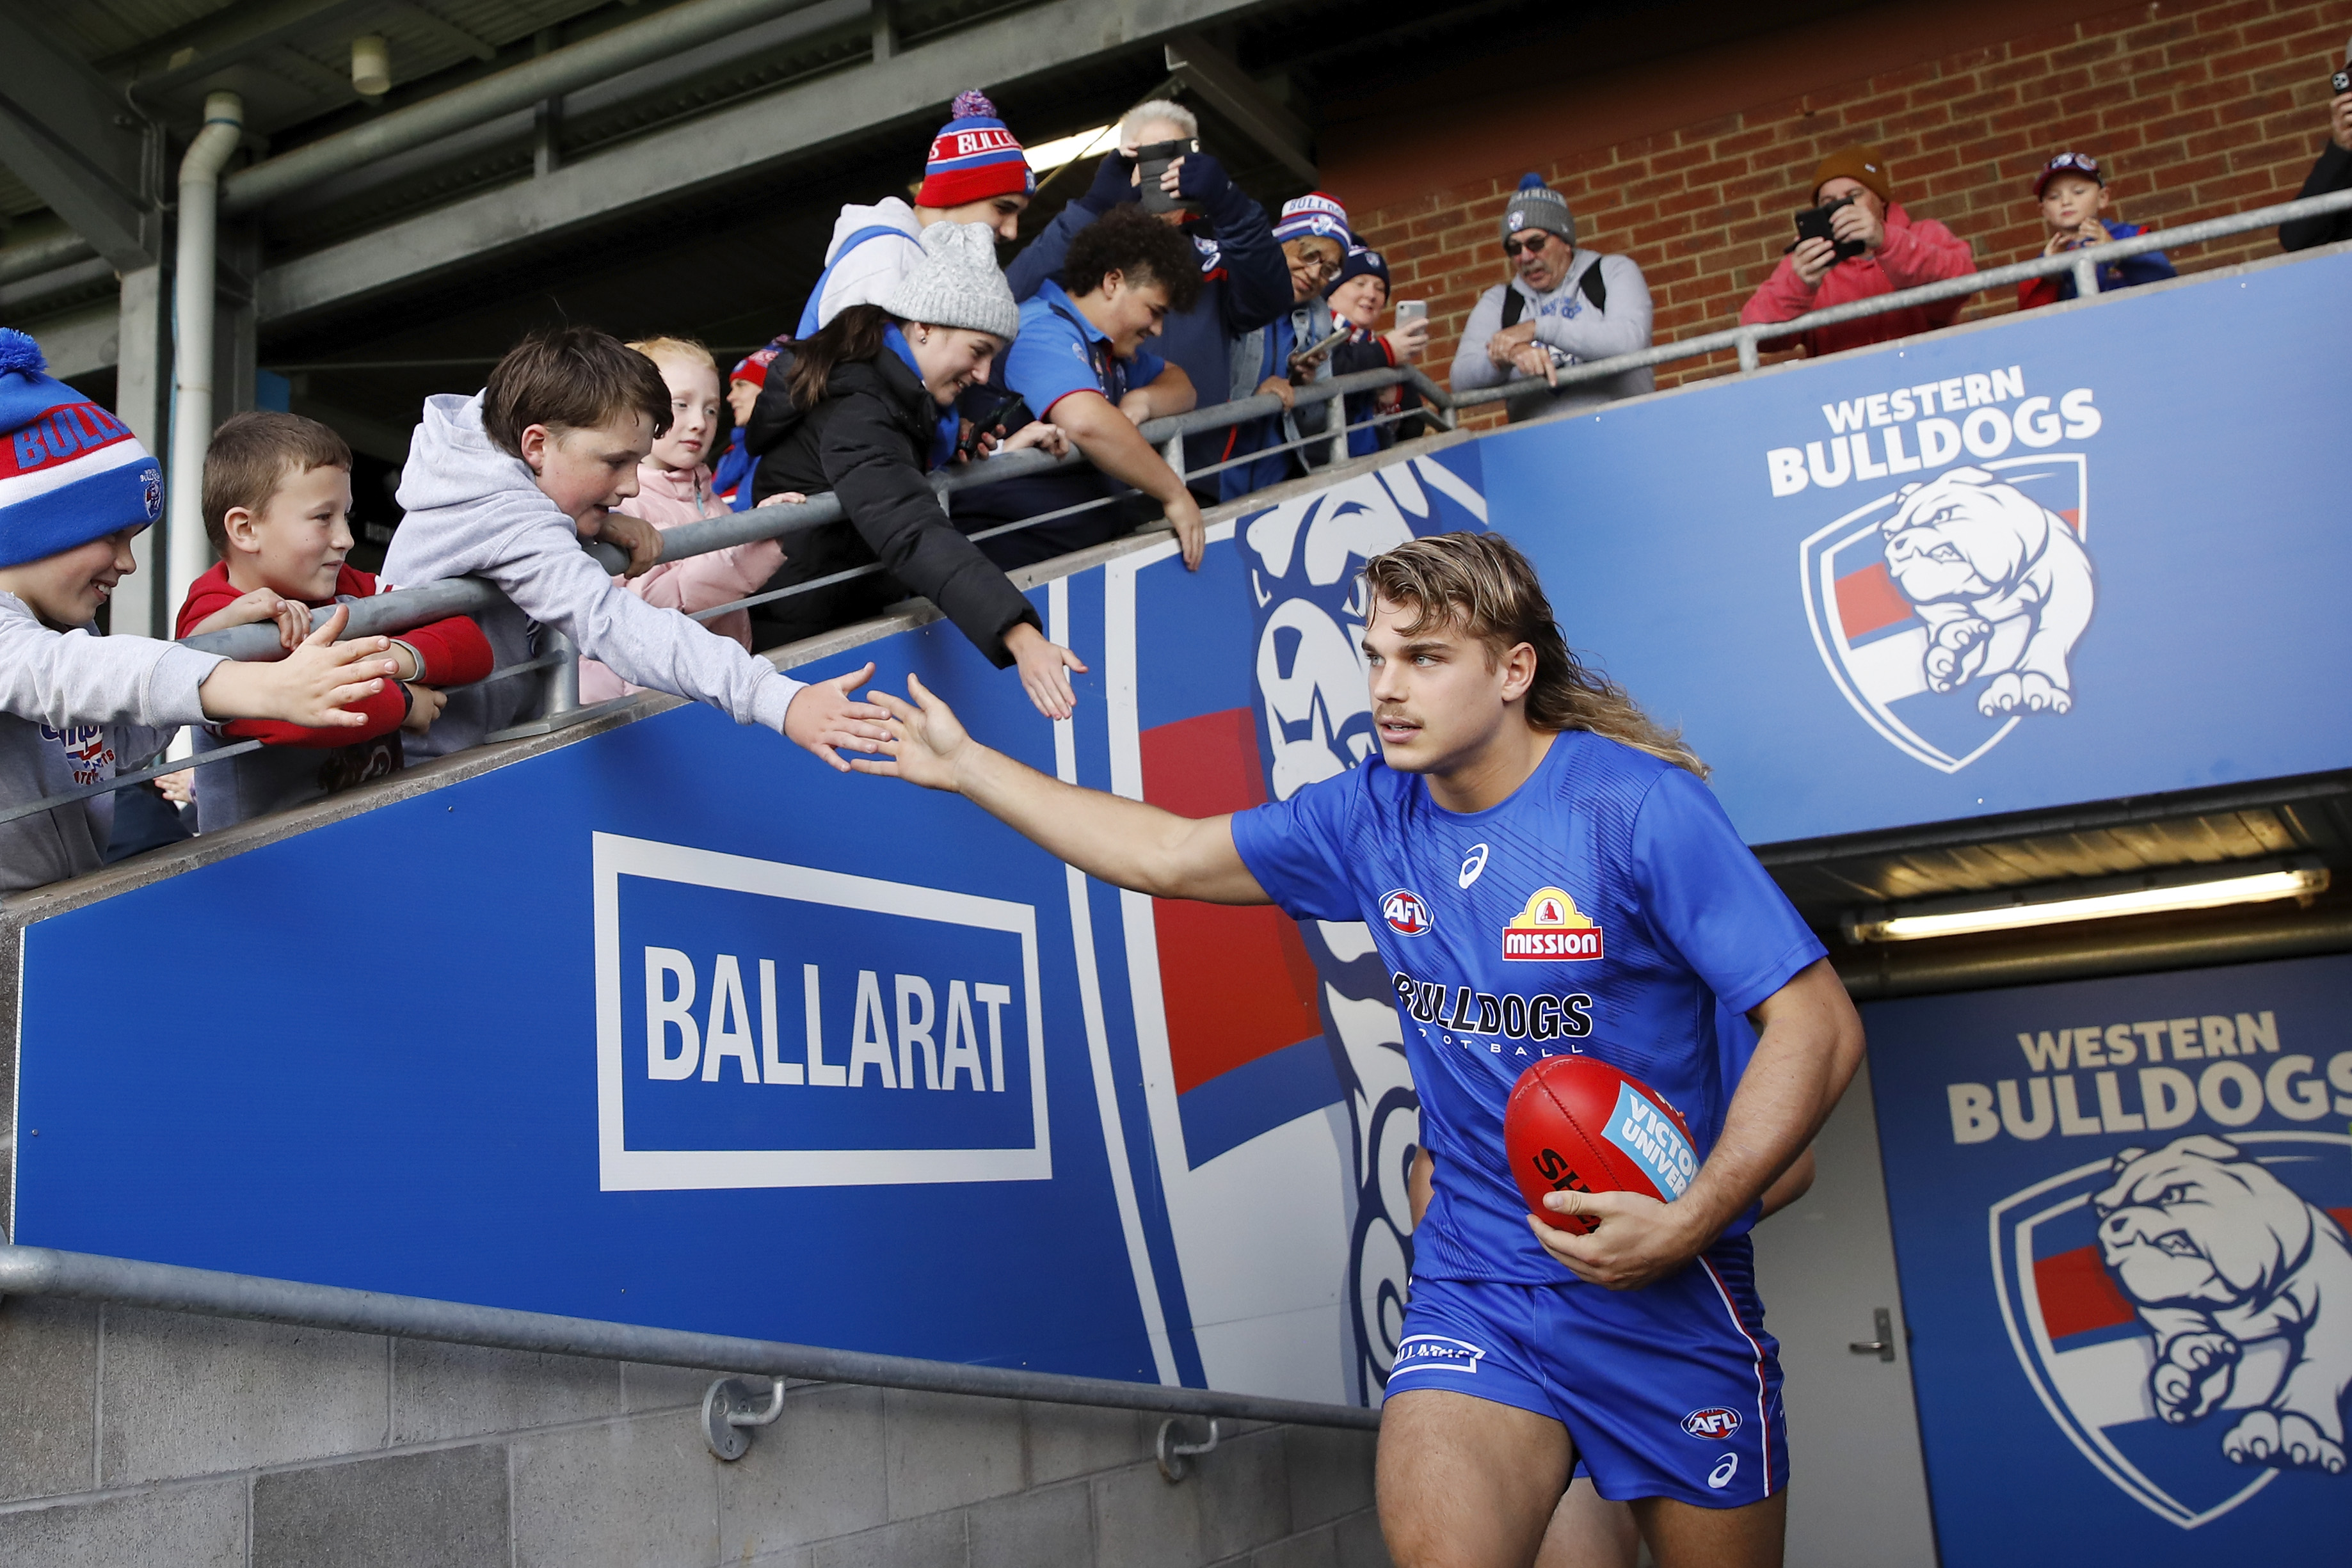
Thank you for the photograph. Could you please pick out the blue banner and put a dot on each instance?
(2120, 1211)
(2058, 557)
(674, 1025)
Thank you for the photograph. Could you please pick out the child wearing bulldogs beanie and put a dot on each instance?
(74, 488)
(976, 173)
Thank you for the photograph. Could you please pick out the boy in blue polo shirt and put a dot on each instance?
(1080, 363)
(1515, 789)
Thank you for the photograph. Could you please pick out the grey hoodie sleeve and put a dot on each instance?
(1622, 329)
(59, 679)
(551, 580)
(1471, 369)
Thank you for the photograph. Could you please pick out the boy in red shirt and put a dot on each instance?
(277, 498)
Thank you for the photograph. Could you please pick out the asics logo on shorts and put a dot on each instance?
(1725, 1469)
(1436, 1352)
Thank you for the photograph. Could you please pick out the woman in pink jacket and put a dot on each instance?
(1898, 252)
(674, 487)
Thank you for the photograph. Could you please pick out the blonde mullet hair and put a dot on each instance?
(1482, 584)
(686, 348)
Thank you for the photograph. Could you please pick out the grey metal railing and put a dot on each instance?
(81, 1276)
(1748, 338)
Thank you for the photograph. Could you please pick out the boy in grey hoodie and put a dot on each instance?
(74, 488)
(504, 485)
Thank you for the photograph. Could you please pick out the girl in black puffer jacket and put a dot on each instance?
(865, 409)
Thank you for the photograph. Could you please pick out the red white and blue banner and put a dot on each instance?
(2120, 1211)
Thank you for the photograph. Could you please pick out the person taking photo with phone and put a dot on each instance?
(865, 409)
(2332, 173)
(1872, 247)
(1561, 306)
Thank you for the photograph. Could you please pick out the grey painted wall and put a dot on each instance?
(137, 1439)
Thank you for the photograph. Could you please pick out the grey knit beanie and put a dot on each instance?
(957, 284)
(1537, 205)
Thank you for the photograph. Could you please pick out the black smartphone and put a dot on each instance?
(1006, 412)
(1813, 223)
(1152, 161)
(2339, 84)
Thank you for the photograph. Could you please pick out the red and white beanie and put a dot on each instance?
(974, 157)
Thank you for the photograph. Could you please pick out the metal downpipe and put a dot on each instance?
(187, 553)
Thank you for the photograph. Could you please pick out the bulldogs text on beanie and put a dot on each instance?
(1316, 212)
(974, 157)
(957, 284)
(69, 471)
(1537, 205)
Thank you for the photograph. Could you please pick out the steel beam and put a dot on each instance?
(1214, 74)
(747, 140)
(65, 133)
(246, 32)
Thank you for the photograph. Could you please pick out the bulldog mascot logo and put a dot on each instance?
(2218, 1255)
(2185, 1315)
(1948, 611)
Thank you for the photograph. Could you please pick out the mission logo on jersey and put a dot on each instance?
(1551, 928)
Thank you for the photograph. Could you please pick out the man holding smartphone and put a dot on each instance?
(2333, 171)
(1873, 247)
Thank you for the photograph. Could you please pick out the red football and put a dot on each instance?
(1576, 1122)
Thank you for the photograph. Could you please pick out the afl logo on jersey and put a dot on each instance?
(1551, 928)
(1709, 1426)
(1406, 912)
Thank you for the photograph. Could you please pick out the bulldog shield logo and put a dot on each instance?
(2180, 1314)
(1947, 612)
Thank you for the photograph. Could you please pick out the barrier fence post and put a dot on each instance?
(560, 692)
(2086, 278)
(1748, 355)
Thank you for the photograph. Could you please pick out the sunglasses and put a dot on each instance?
(2079, 163)
(1321, 266)
(1511, 247)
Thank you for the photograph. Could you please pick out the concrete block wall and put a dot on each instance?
(140, 1439)
(2196, 110)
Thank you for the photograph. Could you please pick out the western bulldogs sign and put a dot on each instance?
(2120, 1212)
(1874, 591)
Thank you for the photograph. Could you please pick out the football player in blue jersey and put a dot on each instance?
(1543, 870)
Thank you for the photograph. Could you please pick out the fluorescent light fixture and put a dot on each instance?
(1070, 149)
(2194, 888)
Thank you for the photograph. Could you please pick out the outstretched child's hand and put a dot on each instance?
(641, 539)
(292, 616)
(309, 687)
(824, 715)
(425, 705)
(925, 739)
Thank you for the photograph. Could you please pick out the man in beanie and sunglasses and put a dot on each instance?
(976, 173)
(1896, 253)
(1561, 306)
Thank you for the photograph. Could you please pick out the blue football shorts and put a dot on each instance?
(1673, 1390)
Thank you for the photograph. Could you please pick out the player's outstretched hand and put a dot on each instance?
(825, 716)
(1639, 1240)
(926, 739)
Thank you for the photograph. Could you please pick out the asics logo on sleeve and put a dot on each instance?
(1518, 1018)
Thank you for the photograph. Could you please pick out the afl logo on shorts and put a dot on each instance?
(1551, 927)
(1711, 1426)
(1406, 912)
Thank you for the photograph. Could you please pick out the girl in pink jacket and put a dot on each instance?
(674, 487)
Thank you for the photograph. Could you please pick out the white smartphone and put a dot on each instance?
(1412, 311)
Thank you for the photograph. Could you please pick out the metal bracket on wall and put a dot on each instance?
(1882, 1323)
(1172, 1455)
(730, 1409)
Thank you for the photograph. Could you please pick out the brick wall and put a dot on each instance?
(2195, 110)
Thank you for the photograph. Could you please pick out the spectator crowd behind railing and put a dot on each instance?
(930, 423)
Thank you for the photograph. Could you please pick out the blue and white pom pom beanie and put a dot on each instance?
(69, 471)
(1316, 212)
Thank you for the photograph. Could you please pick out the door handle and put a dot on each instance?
(1882, 1323)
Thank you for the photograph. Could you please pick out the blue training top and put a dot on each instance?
(1605, 906)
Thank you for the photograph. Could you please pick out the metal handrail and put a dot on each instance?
(1748, 337)
(166, 1287)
